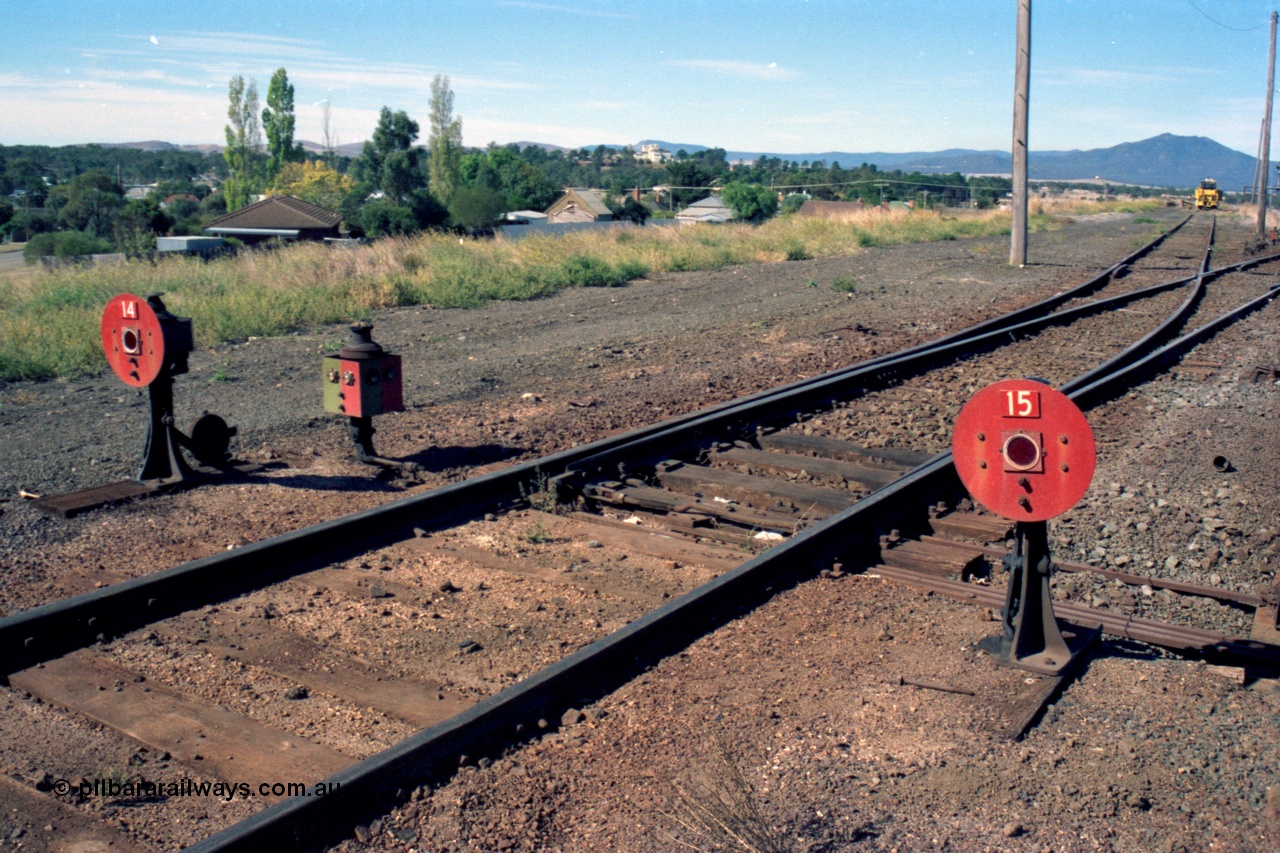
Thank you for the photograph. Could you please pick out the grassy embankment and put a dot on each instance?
(49, 319)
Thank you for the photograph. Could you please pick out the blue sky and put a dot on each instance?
(782, 76)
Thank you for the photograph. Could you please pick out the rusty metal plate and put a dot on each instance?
(133, 340)
(1024, 450)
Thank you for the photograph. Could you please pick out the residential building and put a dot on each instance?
(579, 205)
(280, 217)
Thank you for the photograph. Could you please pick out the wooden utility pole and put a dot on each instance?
(1264, 155)
(1021, 90)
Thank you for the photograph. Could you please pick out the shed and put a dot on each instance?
(710, 209)
(281, 217)
(188, 244)
(579, 206)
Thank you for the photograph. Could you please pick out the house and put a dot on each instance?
(710, 209)
(653, 153)
(579, 206)
(280, 217)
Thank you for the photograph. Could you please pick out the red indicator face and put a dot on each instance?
(1023, 450)
(132, 340)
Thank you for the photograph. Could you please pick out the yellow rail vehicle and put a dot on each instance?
(1208, 195)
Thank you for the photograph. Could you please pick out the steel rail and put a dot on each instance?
(1046, 305)
(42, 633)
(1184, 310)
(790, 401)
(608, 663)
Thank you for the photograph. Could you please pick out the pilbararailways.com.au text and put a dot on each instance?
(190, 788)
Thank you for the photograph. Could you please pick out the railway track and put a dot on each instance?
(838, 469)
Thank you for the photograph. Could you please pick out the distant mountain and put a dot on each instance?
(157, 145)
(547, 146)
(347, 149)
(1162, 161)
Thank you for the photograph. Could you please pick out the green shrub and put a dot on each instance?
(845, 284)
(590, 271)
(631, 269)
(797, 252)
(64, 244)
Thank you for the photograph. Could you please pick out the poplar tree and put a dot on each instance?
(244, 143)
(444, 143)
(278, 121)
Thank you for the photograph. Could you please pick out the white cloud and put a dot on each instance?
(738, 68)
(1113, 77)
(568, 10)
(481, 131)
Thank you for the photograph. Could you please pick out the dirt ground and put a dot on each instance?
(788, 727)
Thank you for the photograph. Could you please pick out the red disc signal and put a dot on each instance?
(133, 340)
(1024, 450)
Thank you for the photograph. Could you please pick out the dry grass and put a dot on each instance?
(49, 318)
(719, 810)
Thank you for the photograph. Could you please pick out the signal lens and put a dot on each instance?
(1021, 452)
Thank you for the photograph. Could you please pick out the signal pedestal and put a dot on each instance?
(1033, 638)
(161, 459)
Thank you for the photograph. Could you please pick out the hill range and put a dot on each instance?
(1161, 161)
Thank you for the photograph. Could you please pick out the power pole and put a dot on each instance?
(1265, 154)
(1021, 95)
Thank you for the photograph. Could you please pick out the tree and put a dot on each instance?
(88, 202)
(326, 132)
(522, 185)
(751, 202)
(476, 208)
(390, 161)
(444, 142)
(244, 143)
(689, 175)
(382, 217)
(139, 222)
(278, 121)
(315, 182)
(628, 209)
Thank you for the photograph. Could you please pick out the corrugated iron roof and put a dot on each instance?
(589, 199)
(277, 212)
(710, 209)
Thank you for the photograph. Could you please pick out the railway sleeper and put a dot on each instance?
(892, 458)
